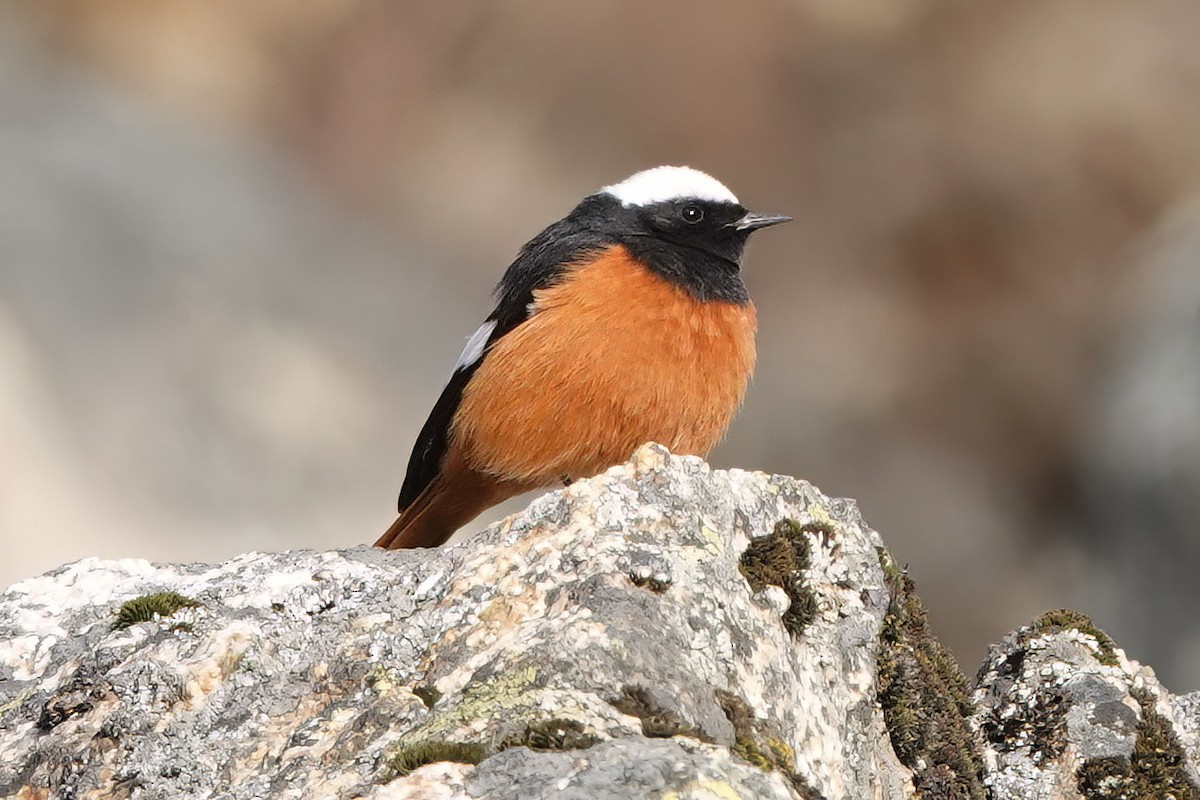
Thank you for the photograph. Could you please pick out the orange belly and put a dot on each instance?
(613, 357)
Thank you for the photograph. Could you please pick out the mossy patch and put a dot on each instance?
(893, 574)
(1065, 619)
(407, 758)
(553, 734)
(657, 722)
(1157, 767)
(768, 753)
(781, 559)
(746, 744)
(760, 749)
(150, 607)
(924, 699)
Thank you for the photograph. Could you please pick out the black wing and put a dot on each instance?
(541, 263)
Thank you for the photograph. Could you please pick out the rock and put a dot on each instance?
(1065, 714)
(662, 630)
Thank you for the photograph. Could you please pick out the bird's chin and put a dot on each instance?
(729, 256)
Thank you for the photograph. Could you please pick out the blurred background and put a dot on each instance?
(242, 243)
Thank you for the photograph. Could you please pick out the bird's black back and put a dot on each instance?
(540, 264)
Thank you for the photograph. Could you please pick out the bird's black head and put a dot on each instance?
(681, 223)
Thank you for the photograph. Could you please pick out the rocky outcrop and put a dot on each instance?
(662, 630)
(1063, 713)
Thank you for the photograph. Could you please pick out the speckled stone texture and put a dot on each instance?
(1065, 714)
(612, 613)
(663, 631)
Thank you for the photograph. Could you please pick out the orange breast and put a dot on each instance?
(613, 357)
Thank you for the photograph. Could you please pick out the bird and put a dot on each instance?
(624, 322)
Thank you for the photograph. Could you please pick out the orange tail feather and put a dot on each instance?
(415, 527)
(451, 500)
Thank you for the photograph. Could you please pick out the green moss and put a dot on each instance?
(407, 758)
(781, 752)
(1104, 778)
(781, 559)
(924, 699)
(768, 753)
(151, 606)
(940, 781)
(508, 696)
(1157, 767)
(657, 722)
(428, 693)
(893, 574)
(553, 734)
(1066, 619)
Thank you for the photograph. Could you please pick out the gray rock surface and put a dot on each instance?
(613, 611)
(663, 630)
(1064, 713)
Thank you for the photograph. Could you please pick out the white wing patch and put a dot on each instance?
(474, 349)
(663, 184)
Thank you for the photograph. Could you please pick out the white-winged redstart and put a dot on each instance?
(626, 321)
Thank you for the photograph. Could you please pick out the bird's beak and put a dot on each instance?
(752, 221)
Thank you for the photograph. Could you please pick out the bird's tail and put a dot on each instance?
(451, 500)
(419, 525)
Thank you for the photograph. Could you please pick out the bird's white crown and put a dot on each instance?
(664, 184)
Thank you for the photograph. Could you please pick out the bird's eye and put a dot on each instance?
(692, 214)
